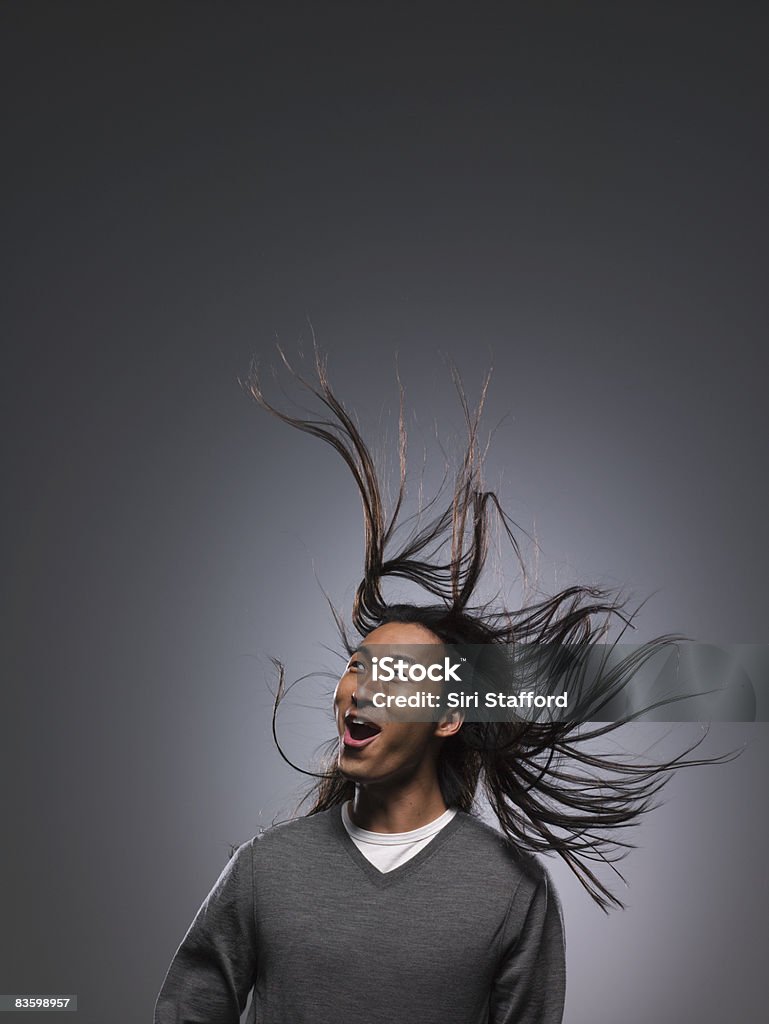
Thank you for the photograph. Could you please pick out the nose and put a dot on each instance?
(353, 691)
(347, 690)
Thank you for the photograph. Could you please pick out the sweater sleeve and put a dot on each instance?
(530, 984)
(214, 967)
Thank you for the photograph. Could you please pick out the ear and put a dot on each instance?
(449, 725)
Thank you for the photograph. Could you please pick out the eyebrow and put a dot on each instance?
(367, 650)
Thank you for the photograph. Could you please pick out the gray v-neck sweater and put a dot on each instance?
(468, 931)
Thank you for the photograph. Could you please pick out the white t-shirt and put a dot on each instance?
(388, 850)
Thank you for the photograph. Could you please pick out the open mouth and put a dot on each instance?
(358, 732)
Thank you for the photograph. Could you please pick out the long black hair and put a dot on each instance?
(549, 791)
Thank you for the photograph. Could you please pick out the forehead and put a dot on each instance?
(401, 633)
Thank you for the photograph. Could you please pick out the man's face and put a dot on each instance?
(375, 745)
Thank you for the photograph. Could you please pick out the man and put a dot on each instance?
(390, 907)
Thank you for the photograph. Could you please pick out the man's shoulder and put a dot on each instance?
(294, 832)
(497, 855)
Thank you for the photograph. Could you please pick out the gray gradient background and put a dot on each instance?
(575, 193)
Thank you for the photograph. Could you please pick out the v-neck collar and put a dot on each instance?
(383, 879)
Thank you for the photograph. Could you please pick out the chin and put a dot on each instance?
(350, 770)
(353, 770)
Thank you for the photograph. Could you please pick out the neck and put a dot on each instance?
(401, 809)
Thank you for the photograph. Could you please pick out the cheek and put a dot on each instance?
(408, 740)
